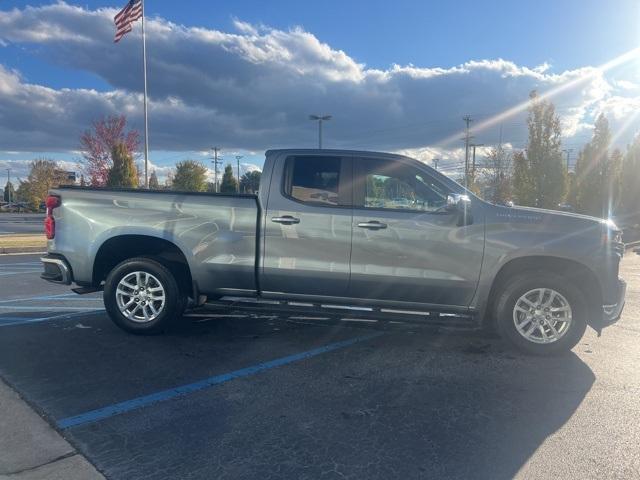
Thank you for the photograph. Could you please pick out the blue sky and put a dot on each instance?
(334, 55)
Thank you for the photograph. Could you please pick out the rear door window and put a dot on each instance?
(316, 180)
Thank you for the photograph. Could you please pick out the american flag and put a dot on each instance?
(131, 12)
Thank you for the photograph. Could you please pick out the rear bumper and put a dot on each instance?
(611, 312)
(56, 269)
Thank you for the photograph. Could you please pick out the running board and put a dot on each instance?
(347, 312)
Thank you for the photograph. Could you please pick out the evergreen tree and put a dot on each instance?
(123, 173)
(153, 181)
(191, 176)
(9, 192)
(630, 188)
(539, 174)
(229, 183)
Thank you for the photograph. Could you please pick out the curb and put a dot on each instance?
(7, 250)
(630, 245)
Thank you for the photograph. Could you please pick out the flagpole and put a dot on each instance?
(146, 124)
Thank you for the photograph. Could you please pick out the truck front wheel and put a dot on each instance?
(142, 296)
(541, 313)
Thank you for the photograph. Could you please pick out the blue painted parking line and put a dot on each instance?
(28, 308)
(181, 391)
(39, 297)
(9, 321)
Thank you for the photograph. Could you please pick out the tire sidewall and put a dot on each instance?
(517, 286)
(173, 300)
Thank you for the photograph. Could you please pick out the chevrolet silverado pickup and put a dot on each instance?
(333, 229)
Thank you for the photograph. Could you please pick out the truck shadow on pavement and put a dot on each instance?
(409, 404)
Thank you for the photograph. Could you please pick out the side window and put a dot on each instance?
(313, 179)
(398, 186)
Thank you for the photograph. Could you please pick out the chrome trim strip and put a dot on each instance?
(62, 266)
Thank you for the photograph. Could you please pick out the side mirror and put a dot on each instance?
(457, 202)
(460, 204)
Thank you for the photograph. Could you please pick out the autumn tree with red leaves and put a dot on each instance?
(98, 143)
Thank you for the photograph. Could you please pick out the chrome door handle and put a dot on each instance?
(373, 225)
(285, 220)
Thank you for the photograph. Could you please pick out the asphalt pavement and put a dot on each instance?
(21, 223)
(236, 395)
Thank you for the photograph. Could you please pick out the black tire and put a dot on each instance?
(172, 310)
(518, 285)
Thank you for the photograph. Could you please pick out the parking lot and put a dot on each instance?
(21, 223)
(233, 395)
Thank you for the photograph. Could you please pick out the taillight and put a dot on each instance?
(53, 201)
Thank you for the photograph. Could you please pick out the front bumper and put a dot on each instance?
(611, 312)
(56, 269)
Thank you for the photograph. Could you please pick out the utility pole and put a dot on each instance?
(473, 167)
(8, 183)
(320, 119)
(216, 161)
(238, 157)
(467, 137)
(435, 163)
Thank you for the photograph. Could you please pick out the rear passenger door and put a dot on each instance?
(308, 226)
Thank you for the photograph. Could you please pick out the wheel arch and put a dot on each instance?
(121, 247)
(583, 277)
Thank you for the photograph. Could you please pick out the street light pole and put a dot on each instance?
(320, 119)
(238, 157)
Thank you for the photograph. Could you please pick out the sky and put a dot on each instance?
(245, 75)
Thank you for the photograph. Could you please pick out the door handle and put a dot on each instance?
(372, 225)
(285, 220)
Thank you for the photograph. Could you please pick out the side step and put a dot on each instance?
(466, 321)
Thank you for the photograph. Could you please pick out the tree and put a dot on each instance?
(153, 181)
(9, 192)
(98, 143)
(44, 174)
(123, 173)
(598, 173)
(630, 188)
(250, 182)
(539, 175)
(497, 174)
(523, 185)
(190, 176)
(229, 184)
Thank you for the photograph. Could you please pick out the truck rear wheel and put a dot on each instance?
(541, 313)
(142, 296)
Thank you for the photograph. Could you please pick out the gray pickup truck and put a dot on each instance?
(348, 231)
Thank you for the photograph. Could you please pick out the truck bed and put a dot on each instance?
(216, 232)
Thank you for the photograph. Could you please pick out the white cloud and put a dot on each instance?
(253, 89)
